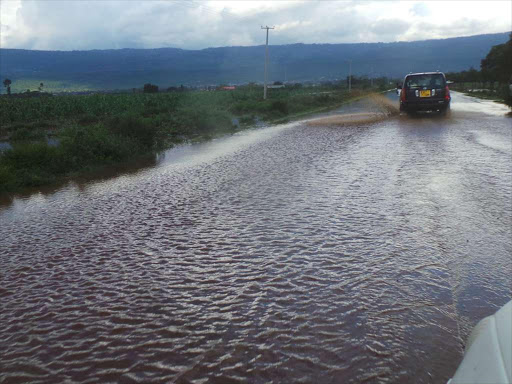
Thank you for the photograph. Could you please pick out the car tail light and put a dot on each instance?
(447, 93)
(402, 94)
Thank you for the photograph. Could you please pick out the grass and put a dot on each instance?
(102, 129)
(486, 95)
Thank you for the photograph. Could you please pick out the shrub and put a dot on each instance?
(88, 119)
(133, 128)
(209, 120)
(37, 163)
(28, 155)
(7, 177)
(27, 134)
(324, 98)
(279, 106)
(504, 93)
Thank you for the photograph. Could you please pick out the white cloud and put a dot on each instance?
(420, 9)
(389, 27)
(192, 24)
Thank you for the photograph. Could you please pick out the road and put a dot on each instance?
(296, 253)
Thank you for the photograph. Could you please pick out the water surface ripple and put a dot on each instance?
(289, 254)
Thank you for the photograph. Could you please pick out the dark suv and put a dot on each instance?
(425, 92)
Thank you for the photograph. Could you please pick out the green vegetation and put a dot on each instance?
(57, 108)
(53, 137)
(491, 82)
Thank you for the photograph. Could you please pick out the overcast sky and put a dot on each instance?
(192, 24)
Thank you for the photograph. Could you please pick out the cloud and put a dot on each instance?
(420, 9)
(462, 27)
(84, 24)
(390, 28)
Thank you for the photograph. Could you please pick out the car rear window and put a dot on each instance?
(429, 81)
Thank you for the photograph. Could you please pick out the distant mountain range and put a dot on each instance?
(131, 68)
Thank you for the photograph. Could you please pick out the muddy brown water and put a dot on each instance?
(294, 253)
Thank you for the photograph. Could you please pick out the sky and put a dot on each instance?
(194, 24)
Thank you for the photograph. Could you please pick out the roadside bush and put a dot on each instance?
(504, 93)
(88, 119)
(29, 177)
(28, 164)
(19, 126)
(280, 106)
(36, 163)
(26, 134)
(134, 128)
(80, 146)
(42, 124)
(244, 106)
(28, 155)
(324, 98)
(7, 178)
(212, 120)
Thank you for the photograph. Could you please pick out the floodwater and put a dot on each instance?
(297, 253)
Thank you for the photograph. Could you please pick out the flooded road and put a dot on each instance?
(295, 253)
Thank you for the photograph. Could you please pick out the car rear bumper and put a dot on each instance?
(425, 105)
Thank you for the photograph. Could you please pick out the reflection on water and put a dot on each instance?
(297, 253)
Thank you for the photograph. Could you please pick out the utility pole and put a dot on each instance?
(350, 76)
(266, 63)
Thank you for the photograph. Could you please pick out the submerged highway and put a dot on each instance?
(294, 253)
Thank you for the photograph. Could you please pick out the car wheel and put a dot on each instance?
(446, 111)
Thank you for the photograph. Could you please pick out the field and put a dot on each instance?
(53, 137)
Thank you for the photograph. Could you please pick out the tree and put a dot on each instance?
(7, 84)
(497, 65)
(40, 87)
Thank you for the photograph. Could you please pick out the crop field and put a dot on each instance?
(57, 107)
(28, 109)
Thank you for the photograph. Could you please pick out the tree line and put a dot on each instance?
(495, 72)
(496, 67)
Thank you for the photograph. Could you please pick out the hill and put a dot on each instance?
(130, 68)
